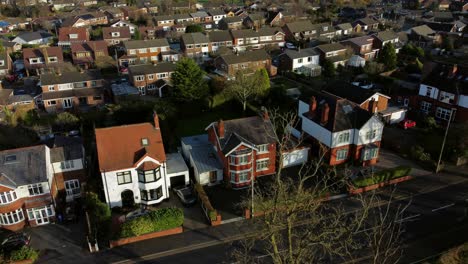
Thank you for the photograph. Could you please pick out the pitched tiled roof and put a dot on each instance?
(129, 149)
(139, 44)
(423, 30)
(195, 38)
(331, 47)
(255, 55)
(296, 54)
(351, 92)
(300, 26)
(220, 36)
(64, 34)
(148, 68)
(66, 148)
(386, 35)
(70, 77)
(30, 36)
(253, 131)
(124, 32)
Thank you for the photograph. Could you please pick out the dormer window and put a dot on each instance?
(2, 63)
(144, 142)
(53, 59)
(115, 34)
(10, 159)
(73, 36)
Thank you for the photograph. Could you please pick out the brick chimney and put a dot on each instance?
(373, 105)
(454, 69)
(156, 120)
(325, 113)
(312, 106)
(221, 129)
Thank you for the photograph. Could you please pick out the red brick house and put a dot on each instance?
(42, 59)
(250, 61)
(87, 53)
(246, 148)
(116, 35)
(71, 35)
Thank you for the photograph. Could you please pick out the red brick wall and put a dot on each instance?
(5, 189)
(15, 227)
(5, 208)
(354, 154)
(58, 182)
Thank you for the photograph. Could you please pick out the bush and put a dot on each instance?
(24, 253)
(382, 176)
(417, 152)
(159, 220)
(205, 200)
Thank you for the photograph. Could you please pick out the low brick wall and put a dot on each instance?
(26, 261)
(379, 185)
(216, 222)
(128, 240)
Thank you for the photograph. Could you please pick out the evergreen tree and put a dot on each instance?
(188, 81)
(194, 28)
(328, 68)
(388, 57)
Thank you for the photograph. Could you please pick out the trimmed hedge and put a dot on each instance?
(158, 220)
(212, 213)
(382, 176)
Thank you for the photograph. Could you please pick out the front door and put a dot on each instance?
(67, 103)
(83, 101)
(213, 176)
(41, 216)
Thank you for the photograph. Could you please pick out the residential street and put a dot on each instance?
(436, 210)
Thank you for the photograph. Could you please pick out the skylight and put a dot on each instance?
(10, 159)
(144, 142)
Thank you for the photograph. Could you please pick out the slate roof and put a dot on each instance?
(65, 148)
(344, 26)
(440, 27)
(360, 41)
(149, 69)
(255, 55)
(216, 12)
(234, 19)
(296, 54)
(219, 36)
(199, 14)
(351, 92)
(139, 44)
(244, 33)
(300, 26)
(205, 159)
(23, 166)
(163, 17)
(30, 36)
(446, 78)
(70, 77)
(195, 38)
(331, 47)
(386, 35)
(367, 21)
(253, 131)
(343, 114)
(423, 30)
(129, 149)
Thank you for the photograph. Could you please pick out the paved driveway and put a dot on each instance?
(389, 159)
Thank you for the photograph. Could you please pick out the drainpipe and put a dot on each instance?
(253, 182)
(107, 189)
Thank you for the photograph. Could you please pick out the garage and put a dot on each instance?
(178, 180)
(295, 157)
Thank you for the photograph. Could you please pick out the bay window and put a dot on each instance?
(149, 176)
(12, 217)
(240, 177)
(8, 197)
(151, 195)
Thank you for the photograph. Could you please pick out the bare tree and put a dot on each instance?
(244, 87)
(293, 224)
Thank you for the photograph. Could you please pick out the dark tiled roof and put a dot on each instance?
(66, 148)
(195, 38)
(23, 166)
(423, 30)
(450, 78)
(295, 54)
(331, 47)
(139, 44)
(99, 91)
(219, 36)
(351, 92)
(386, 35)
(70, 77)
(300, 26)
(148, 68)
(440, 27)
(234, 19)
(255, 55)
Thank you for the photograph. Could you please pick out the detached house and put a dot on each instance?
(362, 46)
(196, 45)
(87, 53)
(249, 61)
(246, 148)
(148, 78)
(71, 35)
(234, 23)
(72, 90)
(144, 51)
(116, 35)
(302, 61)
(300, 30)
(443, 89)
(217, 15)
(345, 130)
(138, 171)
(334, 52)
(33, 38)
(42, 59)
(423, 36)
(123, 23)
(365, 24)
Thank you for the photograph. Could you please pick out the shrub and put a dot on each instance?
(382, 176)
(24, 253)
(205, 200)
(161, 219)
(417, 152)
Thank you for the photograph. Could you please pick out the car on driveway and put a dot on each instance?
(136, 213)
(289, 45)
(185, 194)
(13, 240)
(407, 123)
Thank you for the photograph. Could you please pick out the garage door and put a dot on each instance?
(177, 181)
(295, 157)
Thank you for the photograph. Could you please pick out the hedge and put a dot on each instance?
(205, 200)
(382, 176)
(158, 220)
(24, 253)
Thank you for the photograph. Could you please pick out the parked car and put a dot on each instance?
(290, 45)
(13, 240)
(185, 194)
(136, 213)
(407, 123)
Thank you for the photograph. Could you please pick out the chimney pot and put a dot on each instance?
(325, 113)
(312, 105)
(156, 120)
(221, 128)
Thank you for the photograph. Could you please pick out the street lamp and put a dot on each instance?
(445, 137)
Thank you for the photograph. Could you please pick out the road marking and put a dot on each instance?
(443, 207)
(407, 218)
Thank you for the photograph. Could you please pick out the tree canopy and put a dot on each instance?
(194, 28)
(188, 81)
(328, 68)
(388, 56)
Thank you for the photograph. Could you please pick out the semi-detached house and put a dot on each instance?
(345, 130)
(137, 170)
(144, 51)
(148, 78)
(196, 46)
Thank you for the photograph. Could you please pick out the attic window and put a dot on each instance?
(144, 142)
(10, 159)
(115, 34)
(73, 36)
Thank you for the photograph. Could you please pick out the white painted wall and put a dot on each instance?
(313, 129)
(373, 123)
(463, 101)
(77, 165)
(314, 61)
(22, 191)
(423, 91)
(336, 135)
(113, 190)
(295, 157)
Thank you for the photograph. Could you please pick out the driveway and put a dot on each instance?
(389, 159)
(60, 243)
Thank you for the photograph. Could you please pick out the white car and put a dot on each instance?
(290, 45)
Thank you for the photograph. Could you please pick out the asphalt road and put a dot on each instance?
(434, 222)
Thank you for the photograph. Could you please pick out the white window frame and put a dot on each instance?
(51, 88)
(241, 159)
(371, 134)
(262, 164)
(242, 174)
(5, 220)
(141, 51)
(36, 189)
(341, 154)
(344, 137)
(443, 113)
(262, 148)
(139, 78)
(72, 187)
(425, 106)
(126, 177)
(8, 197)
(150, 77)
(370, 153)
(67, 164)
(132, 52)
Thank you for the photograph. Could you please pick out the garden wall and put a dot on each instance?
(128, 240)
(378, 185)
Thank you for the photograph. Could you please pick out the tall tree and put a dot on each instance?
(328, 68)
(388, 56)
(188, 80)
(263, 81)
(244, 88)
